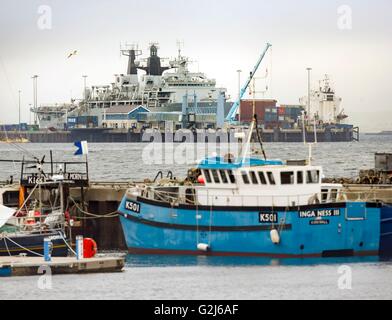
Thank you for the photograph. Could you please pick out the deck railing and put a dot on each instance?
(197, 196)
(37, 224)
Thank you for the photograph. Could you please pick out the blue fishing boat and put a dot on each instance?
(253, 207)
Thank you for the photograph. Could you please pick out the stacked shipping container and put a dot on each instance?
(268, 113)
(246, 109)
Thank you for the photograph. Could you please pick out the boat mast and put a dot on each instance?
(230, 118)
(254, 125)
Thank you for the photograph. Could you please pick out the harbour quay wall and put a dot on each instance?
(104, 135)
(37, 136)
(328, 134)
(99, 220)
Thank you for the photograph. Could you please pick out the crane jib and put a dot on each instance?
(231, 115)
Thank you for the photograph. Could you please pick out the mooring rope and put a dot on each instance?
(28, 250)
(6, 246)
(93, 215)
(66, 243)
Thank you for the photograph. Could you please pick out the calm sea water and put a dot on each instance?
(185, 277)
(170, 278)
(126, 161)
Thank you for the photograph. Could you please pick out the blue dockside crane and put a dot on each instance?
(230, 118)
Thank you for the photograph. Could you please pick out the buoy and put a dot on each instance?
(200, 179)
(89, 248)
(275, 238)
(203, 247)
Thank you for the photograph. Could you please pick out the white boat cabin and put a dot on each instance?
(256, 182)
(249, 183)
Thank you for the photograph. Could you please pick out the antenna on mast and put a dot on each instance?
(131, 51)
(180, 43)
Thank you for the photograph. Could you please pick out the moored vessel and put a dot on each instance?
(250, 206)
(23, 230)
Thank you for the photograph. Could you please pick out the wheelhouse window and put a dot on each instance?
(208, 176)
(271, 178)
(262, 178)
(215, 176)
(245, 177)
(223, 176)
(334, 194)
(312, 176)
(287, 177)
(253, 177)
(324, 195)
(231, 176)
(300, 177)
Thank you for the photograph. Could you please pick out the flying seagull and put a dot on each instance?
(72, 54)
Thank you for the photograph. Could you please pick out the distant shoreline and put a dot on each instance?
(381, 133)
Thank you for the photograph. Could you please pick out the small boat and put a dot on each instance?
(23, 230)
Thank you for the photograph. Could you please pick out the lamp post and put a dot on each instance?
(19, 111)
(30, 113)
(85, 93)
(308, 69)
(35, 90)
(239, 93)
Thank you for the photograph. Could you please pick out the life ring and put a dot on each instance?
(90, 248)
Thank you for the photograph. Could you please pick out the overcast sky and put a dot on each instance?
(222, 36)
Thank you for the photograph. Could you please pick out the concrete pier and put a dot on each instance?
(31, 266)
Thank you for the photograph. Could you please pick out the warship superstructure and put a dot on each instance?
(150, 82)
(165, 94)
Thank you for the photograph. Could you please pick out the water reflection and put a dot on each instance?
(133, 260)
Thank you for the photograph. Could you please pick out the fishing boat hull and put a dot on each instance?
(320, 230)
(32, 245)
(386, 230)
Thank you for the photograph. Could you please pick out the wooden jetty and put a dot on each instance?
(30, 266)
